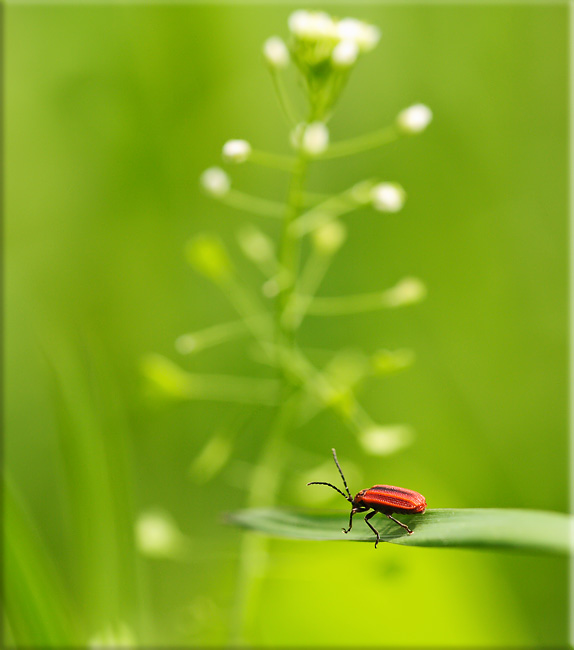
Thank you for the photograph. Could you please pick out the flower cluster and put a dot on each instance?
(321, 51)
(312, 139)
(323, 48)
(319, 36)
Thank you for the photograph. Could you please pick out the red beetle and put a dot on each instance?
(385, 499)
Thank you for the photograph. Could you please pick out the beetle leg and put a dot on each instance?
(346, 530)
(409, 531)
(354, 512)
(367, 517)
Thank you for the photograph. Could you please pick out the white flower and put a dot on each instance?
(364, 35)
(345, 54)
(299, 21)
(215, 181)
(312, 138)
(236, 151)
(329, 237)
(414, 119)
(157, 535)
(382, 441)
(369, 38)
(310, 25)
(276, 52)
(388, 197)
(349, 29)
(256, 245)
(406, 292)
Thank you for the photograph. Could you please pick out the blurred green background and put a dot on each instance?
(112, 113)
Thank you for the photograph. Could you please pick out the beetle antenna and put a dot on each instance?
(334, 488)
(341, 473)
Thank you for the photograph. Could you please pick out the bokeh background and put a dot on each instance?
(112, 113)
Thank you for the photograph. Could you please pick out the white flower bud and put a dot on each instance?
(315, 138)
(349, 29)
(382, 441)
(414, 119)
(276, 52)
(329, 237)
(236, 151)
(406, 292)
(364, 35)
(207, 254)
(215, 181)
(299, 21)
(370, 38)
(157, 535)
(256, 245)
(311, 25)
(388, 197)
(345, 54)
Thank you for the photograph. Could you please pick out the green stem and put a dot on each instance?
(362, 143)
(312, 198)
(331, 208)
(211, 336)
(253, 204)
(284, 101)
(311, 278)
(289, 249)
(265, 479)
(255, 549)
(340, 305)
(227, 388)
(407, 292)
(274, 160)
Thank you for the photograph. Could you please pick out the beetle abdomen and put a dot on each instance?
(391, 499)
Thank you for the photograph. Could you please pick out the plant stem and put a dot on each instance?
(265, 478)
(272, 160)
(253, 204)
(211, 336)
(362, 143)
(254, 549)
(330, 209)
(289, 111)
(289, 249)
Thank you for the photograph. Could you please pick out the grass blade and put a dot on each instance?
(94, 442)
(525, 530)
(36, 608)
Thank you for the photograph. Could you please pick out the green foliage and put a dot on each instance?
(116, 526)
(36, 606)
(489, 528)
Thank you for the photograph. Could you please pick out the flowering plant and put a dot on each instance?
(324, 51)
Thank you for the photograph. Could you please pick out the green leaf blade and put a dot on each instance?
(522, 530)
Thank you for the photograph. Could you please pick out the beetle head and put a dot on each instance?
(358, 500)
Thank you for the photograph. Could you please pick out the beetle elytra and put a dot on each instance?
(385, 499)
